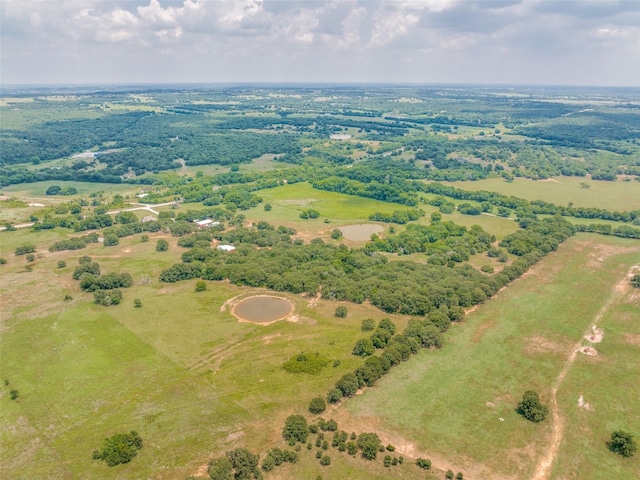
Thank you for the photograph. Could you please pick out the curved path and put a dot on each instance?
(543, 468)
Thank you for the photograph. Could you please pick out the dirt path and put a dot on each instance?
(543, 468)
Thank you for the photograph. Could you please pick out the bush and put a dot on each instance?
(341, 311)
(53, 190)
(449, 475)
(13, 394)
(334, 396)
(3, 261)
(370, 445)
(239, 463)
(363, 348)
(531, 408)
(303, 362)
(28, 248)
(295, 429)
(137, 303)
(368, 325)
(111, 240)
(326, 460)
(107, 297)
(423, 463)
(162, 245)
(336, 234)
(267, 207)
(30, 257)
(317, 405)
(62, 264)
(201, 286)
(144, 238)
(119, 448)
(486, 269)
(622, 443)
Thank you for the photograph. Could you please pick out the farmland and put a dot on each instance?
(479, 259)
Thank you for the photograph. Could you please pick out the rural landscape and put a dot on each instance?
(301, 281)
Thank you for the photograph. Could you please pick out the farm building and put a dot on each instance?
(206, 223)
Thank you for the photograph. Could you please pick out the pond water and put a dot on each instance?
(262, 309)
(360, 232)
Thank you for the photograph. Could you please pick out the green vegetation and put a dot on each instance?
(466, 215)
(119, 448)
(531, 408)
(622, 443)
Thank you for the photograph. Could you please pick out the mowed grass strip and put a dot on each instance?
(450, 401)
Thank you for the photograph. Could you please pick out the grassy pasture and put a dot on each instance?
(189, 384)
(519, 340)
(38, 189)
(562, 190)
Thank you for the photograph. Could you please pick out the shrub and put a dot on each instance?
(622, 443)
(111, 240)
(30, 257)
(317, 405)
(334, 396)
(3, 261)
(336, 234)
(303, 362)
(531, 408)
(162, 245)
(201, 286)
(62, 264)
(137, 303)
(391, 448)
(449, 475)
(363, 348)
(119, 448)
(239, 463)
(367, 325)
(107, 297)
(28, 248)
(341, 311)
(423, 463)
(326, 460)
(144, 238)
(370, 445)
(267, 207)
(486, 269)
(295, 429)
(13, 394)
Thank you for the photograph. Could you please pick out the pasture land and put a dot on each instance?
(36, 190)
(449, 403)
(192, 385)
(619, 195)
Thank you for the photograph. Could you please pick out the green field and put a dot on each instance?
(448, 403)
(619, 195)
(38, 189)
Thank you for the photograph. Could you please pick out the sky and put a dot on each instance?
(527, 42)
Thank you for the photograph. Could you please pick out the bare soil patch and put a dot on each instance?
(477, 335)
(539, 344)
(590, 351)
(632, 339)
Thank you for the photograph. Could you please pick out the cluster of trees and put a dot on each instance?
(398, 216)
(108, 281)
(24, 249)
(58, 190)
(606, 229)
(119, 448)
(239, 463)
(442, 241)
(541, 236)
(309, 213)
(105, 288)
(74, 243)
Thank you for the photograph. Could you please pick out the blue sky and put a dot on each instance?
(417, 41)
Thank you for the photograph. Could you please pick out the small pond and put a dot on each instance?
(262, 309)
(360, 232)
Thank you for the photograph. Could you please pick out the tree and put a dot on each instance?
(295, 429)
(162, 245)
(623, 443)
(119, 448)
(267, 207)
(363, 348)
(111, 240)
(53, 190)
(531, 408)
(239, 464)
(423, 463)
(341, 311)
(370, 445)
(336, 234)
(334, 396)
(317, 405)
(449, 475)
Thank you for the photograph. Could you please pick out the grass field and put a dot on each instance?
(38, 189)
(622, 196)
(189, 384)
(448, 403)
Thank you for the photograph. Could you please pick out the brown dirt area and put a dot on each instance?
(477, 335)
(539, 344)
